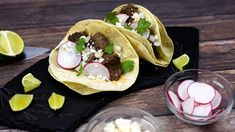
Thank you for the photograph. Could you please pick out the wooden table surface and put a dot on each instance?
(43, 23)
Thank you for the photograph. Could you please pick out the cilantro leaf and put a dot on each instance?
(127, 66)
(80, 69)
(80, 46)
(108, 49)
(128, 27)
(111, 18)
(143, 26)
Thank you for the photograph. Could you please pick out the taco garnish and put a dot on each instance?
(130, 18)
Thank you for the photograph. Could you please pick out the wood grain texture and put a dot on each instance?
(43, 23)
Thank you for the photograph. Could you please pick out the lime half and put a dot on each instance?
(30, 82)
(56, 101)
(11, 44)
(181, 61)
(20, 101)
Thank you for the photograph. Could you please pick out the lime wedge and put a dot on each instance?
(11, 44)
(30, 82)
(181, 61)
(56, 101)
(20, 101)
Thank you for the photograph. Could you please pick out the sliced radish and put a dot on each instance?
(174, 99)
(217, 100)
(182, 89)
(96, 69)
(202, 92)
(196, 104)
(68, 57)
(188, 105)
(202, 110)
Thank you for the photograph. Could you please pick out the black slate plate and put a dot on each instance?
(77, 108)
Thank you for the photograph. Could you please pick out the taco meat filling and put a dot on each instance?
(130, 18)
(97, 49)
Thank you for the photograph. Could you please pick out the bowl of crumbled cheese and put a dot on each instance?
(123, 119)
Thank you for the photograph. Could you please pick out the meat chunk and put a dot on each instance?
(112, 59)
(75, 36)
(114, 71)
(100, 41)
(112, 62)
(129, 10)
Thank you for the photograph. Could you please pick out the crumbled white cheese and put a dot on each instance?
(156, 43)
(123, 125)
(92, 50)
(117, 48)
(136, 17)
(146, 34)
(99, 53)
(118, 24)
(110, 127)
(152, 38)
(122, 18)
(101, 60)
(135, 127)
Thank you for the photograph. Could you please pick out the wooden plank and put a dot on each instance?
(217, 55)
(41, 14)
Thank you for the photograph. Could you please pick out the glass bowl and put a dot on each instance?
(216, 81)
(147, 121)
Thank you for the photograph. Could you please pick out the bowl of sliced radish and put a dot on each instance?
(198, 97)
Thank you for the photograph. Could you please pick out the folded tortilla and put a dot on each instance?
(82, 84)
(142, 45)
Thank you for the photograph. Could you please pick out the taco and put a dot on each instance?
(94, 57)
(145, 32)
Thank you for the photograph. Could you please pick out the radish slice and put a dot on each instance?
(182, 89)
(188, 105)
(96, 70)
(217, 100)
(202, 110)
(68, 57)
(202, 92)
(174, 99)
(196, 104)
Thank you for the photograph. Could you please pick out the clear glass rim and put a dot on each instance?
(155, 123)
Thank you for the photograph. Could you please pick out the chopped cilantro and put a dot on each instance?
(127, 66)
(80, 69)
(80, 46)
(143, 26)
(111, 18)
(128, 27)
(108, 49)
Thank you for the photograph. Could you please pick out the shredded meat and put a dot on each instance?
(75, 36)
(100, 41)
(129, 10)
